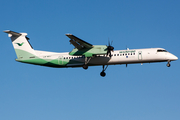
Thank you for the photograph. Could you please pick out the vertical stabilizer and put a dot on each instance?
(21, 45)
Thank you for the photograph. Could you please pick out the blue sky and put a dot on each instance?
(138, 92)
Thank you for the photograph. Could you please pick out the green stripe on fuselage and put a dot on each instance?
(26, 57)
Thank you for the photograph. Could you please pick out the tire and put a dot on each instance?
(168, 65)
(103, 74)
(85, 67)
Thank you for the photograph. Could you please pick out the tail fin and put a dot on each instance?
(21, 45)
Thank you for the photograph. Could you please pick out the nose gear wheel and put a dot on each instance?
(168, 64)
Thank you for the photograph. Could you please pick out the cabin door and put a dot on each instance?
(140, 55)
(60, 60)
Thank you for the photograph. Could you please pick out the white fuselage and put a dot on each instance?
(118, 57)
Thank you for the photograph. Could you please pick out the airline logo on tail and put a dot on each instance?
(20, 44)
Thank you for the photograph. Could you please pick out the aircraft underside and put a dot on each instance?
(96, 61)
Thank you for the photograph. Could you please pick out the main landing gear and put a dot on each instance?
(168, 64)
(103, 74)
(85, 66)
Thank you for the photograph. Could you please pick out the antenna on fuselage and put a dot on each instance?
(127, 48)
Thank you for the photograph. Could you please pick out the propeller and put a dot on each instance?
(109, 48)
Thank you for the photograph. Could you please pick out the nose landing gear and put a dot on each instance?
(168, 64)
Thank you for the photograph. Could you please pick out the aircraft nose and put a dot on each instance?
(171, 57)
(174, 57)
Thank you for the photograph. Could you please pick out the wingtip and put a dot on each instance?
(6, 31)
(68, 34)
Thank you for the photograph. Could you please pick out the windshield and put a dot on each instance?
(160, 50)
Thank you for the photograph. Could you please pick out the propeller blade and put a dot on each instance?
(111, 42)
(108, 43)
(109, 48)
(110, 55)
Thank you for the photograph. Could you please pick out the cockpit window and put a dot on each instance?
(160, 50)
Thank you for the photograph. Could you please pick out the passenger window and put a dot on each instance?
(117, 54)
(114, 54)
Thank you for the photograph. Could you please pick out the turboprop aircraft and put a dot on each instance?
(85, 54)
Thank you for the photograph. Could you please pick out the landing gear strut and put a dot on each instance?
(168, 64)
(85, 66)
(103, 74)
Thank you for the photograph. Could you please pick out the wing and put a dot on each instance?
(78, 43)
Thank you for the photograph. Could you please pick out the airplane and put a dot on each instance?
(85, 54)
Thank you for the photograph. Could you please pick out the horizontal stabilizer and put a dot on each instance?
(12, 33)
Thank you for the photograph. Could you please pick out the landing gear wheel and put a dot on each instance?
(103, 74)
(168, 64)
(85, 67)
